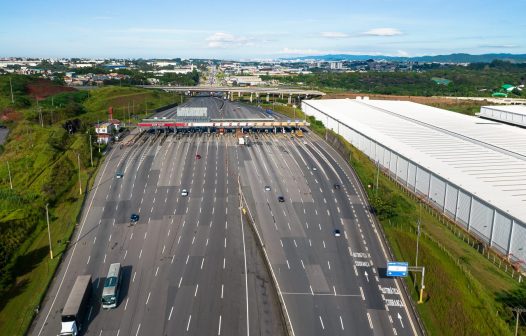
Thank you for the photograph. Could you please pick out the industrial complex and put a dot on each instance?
(472, 170)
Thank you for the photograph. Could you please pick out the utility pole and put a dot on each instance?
(518, 311)
(377, 175)
(80, 182)
(9, 171)
(90, 151)
(418, 233)
(49, 232)
(11, 86)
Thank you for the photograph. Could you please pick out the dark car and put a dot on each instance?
(337, 233)
(134, 217)
(119, 175)
(337, 186)
(281, 199)
(197, 156)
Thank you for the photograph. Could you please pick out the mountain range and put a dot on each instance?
(452, 58)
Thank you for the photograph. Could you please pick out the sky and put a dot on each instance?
(242, 30)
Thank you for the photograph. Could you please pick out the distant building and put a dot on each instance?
(336, 65)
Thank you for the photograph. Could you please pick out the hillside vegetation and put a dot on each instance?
(478, 79)
(45, 142)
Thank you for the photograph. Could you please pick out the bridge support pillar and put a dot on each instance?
(290, 99)
(268, 98)
(232, 96)
(251, 97)
(239, 94)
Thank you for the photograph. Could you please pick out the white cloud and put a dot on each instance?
(402, 53)
(334, 35)
(383, 32)
(223, 40)
(499, 46)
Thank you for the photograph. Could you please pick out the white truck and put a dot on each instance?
(76, 306)
(241, 140)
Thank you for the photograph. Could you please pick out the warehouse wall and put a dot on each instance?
(503, 233)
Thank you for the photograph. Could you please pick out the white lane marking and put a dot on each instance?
(138, 328)
(126, 305)
(145, 234)
(341, 322)
(334, 290)
(164, 247)
(178, 240)
(180, 280)
(157, 271)
(148, 298)
(370, 321)
(171, 311)
(302, 264)
(311, 291)
(222, 289)
(294, 240)
(219, 329)
(140, 254)
(131, 236)
(224, 262)
(94, 240)
(193, 239)
(196, 289)
(329, 264)
(225, 242)
(187, 257)
(104, 261)
(171, 262)
(202, 262)
(310, 243)
(134, 274)
(89, 257)
(361, 293)
(281, 242)
(288, 265)
(323, 243)
(321, 321)
(188, 324)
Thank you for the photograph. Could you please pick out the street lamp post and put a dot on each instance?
(418, 233)
(49, 232)
(80, 182)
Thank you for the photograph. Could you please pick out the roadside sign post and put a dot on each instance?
(401, 269)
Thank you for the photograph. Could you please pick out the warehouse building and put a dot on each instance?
(510, 114)
(472, 170)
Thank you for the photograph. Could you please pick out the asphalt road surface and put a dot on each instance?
(219, 108)
(190, 268)
(330, 285)
(191, 265)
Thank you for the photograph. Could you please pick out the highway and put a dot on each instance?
(191, 264)
(219, 108)
(330, 285)
(188, 267)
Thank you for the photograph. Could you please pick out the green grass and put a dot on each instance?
(43, 162)
(461, 285)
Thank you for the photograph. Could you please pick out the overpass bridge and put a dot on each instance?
(231, 91)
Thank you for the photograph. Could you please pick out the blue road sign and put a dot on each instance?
(397, 269)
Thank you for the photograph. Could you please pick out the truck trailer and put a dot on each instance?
(76, 305)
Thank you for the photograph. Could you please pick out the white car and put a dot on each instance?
(267, 188)
(314, 168)
(184, 192)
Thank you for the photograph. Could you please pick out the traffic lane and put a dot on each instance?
(336, 265)
(363, 216)
(295, 273)
(48, 320)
